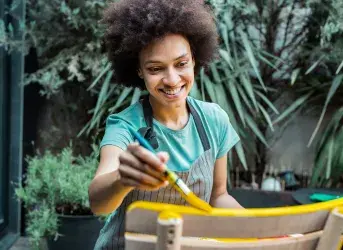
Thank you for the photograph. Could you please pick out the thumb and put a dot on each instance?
(163, 156)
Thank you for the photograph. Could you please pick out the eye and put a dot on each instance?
(183, 63)
(154, 69)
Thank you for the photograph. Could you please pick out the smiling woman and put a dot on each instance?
(159, 45)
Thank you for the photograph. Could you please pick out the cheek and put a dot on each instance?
(189, 76)
(151, 81)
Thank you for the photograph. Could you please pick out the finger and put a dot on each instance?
(134, 183)
(148, 157)
(150, 171)
(163, 156)
(135, 143)
(139, 176)
(131, 160)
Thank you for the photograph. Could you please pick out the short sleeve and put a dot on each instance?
(116, 132)
(228, 137)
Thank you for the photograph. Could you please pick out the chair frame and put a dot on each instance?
(165, 226)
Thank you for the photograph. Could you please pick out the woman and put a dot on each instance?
(159, 45)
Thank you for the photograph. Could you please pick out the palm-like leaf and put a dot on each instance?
(329, 159)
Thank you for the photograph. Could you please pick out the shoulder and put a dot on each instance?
(116, 131)
(131, 115)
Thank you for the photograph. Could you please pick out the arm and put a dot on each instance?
(106, 192)
(220, 196)
(120, 171)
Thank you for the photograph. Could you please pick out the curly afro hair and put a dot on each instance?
(132, 24)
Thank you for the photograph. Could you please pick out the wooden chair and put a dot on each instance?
(163, 226)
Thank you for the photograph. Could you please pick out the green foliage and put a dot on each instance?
(333, 27)
(9, 39)
(329, 158)
(235, 81)
(67, 36)
(55, 184)
(41, 222)
(318, 82)
(267, 48)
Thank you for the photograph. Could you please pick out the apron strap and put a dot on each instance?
(150, 135)
(147, 110)
(200, 127)
(147, 132)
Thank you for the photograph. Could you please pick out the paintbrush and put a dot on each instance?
(174, 179)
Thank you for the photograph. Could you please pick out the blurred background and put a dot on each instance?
(278, 76)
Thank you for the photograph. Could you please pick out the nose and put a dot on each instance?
(172, 77)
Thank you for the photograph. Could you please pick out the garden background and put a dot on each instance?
(278, 76)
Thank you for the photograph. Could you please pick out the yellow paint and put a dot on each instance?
(257, 212)
(167, 215)
(234, 240)
(167, 211)
(198, 203)
(340, 245)
(170, 211)
(186, 193)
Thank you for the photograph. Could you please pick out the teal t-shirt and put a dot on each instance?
(184, 145)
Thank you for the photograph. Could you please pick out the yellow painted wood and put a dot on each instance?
(256, 212)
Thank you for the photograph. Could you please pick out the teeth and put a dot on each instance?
(171, 91)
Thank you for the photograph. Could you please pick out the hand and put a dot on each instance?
(142, 169)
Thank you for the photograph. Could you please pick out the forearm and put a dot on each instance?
(106, 193)
(224, 201)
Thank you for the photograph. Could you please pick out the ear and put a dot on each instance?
(140, 74)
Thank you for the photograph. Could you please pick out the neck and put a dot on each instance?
(173, 117)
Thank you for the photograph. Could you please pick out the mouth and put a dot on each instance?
(172, 92)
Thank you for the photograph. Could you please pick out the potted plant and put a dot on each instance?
(55, 194)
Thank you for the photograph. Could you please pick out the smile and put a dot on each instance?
(172, 91)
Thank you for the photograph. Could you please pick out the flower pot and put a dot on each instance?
(76, 233)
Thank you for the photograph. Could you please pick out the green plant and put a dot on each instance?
(267, 48)
(328, 170)
(276, 47)
(9, 39)
(67, 37)
(53, 185)
(318, 76)
(329, 157)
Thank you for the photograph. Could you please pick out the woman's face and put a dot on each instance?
(167, 67)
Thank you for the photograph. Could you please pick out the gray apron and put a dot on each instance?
(199, 178)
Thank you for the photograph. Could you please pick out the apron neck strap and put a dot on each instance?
(148, 132)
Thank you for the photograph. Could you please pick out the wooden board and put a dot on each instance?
(148, 242)
(145, 221)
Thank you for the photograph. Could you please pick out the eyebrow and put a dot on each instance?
(153, 61)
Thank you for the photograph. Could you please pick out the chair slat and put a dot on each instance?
(332, 231)
(306, 242)
(145, 221)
